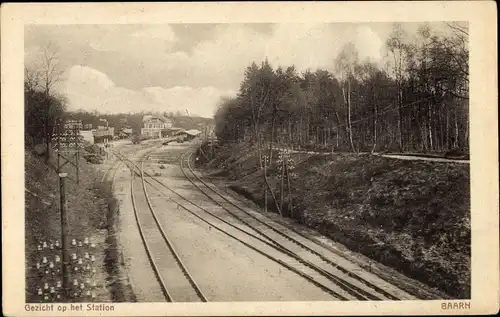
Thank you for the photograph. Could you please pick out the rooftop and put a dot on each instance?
(192, 132)
(174, 129)
(149, 117)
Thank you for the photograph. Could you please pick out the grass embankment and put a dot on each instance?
(91, 212)
(120, 288)
(413, 216)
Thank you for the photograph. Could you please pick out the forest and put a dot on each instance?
(418, 101)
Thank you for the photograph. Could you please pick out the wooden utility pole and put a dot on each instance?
(290, 204)
(211, 145)
(282, 180)
(265, 185)
(64, 233)
(71, 135)
(77, 154)
(58, 140)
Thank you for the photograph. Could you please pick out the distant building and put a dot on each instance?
(102, 133)
(168, 132)
(87, 126)
(179, 132)
(125, 133)
(154, 125)
(189, 134)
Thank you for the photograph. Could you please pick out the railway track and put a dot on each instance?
(259, 245)
(175, 280)
(112, 169)
(298, 256)
(361, 284)
(330, 280)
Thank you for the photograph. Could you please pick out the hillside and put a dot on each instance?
(413, 216)
(188, 123)
(90, 210)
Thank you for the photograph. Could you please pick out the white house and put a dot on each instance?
(153, 126)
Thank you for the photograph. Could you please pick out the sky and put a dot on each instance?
(174, 67)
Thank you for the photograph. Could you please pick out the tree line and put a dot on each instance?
(44, 108)
(417, 102)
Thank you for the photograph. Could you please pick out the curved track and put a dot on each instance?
(323, 261)
(112, 169)
(259, 245)
(296, 252)
(176, 282)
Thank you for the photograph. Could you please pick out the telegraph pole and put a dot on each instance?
(67, 140)
(265, 187)
(64, 233)
(77, 154)
(211, 145)
(58, 147)
(70, 131)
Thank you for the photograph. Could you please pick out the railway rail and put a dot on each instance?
(253, 242)
(334, 282)
(415, 289)
(112, 169)
(308, 251)
(296, 252)
(175, 280)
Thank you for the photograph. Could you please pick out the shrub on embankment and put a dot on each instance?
(87, 206)
(410, 215)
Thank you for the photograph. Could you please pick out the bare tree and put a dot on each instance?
(51, 74)
(42, 78)
(398, 49)
(345, 64)
(32, 79)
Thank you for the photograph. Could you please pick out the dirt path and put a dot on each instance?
(421, 158)
(393, 156)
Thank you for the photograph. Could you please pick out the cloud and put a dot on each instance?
(89, 89)
(87, 78)
(200, 101)
(158, 32)
(368, 43)
(99, 47)
(141, 67)
(222, 60)
(307, 46)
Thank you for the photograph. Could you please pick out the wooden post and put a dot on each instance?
(77, 155)
(290, 205)
(64, 233)
(58, 148)
(211, 146)
(265, 185)
(282, 181)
